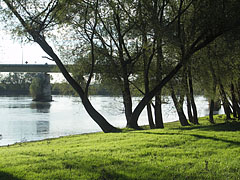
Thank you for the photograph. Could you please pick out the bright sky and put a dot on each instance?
(12, 52)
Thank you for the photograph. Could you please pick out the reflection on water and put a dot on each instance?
(41, 107)
(42, 127)
(25, 120)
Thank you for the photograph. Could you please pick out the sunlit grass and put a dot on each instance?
(196, 152)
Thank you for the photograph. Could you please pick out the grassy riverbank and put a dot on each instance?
(196, 152)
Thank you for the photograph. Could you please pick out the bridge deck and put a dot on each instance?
(29, 68)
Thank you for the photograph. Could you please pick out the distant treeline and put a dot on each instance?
(95, 89)
(19, 84)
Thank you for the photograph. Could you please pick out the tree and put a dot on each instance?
(17, 83)
(36, 18)
(199, 31)
(112, 30)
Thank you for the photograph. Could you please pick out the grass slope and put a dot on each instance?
(196, 152)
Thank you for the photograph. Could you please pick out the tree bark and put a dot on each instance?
(194, 107)
(38, 38)
(158, 100)
(158, 112)
(96, 116)
(147, 60)
(189, 106)
(236, 108)
(225, 101)
(179, 108)
(211, 109)
(189, 109)
(147, 98)
(150, 117)
(127, 101)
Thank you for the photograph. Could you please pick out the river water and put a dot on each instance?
(24, 120)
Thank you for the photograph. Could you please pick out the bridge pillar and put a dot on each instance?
(40, 88)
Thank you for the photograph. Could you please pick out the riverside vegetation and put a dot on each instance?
(206, 151)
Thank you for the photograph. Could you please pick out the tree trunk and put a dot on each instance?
(127, 101)
(149, 110)
(179, 108)
(189, 106)
(225, 101)
(189, 110)
(158, 100)
(38, 38)
(158, 112)
(214, 104)
(150, 117)
(194, 107)
(96, 116)
(148, 97)
(236, 108)
(238, 91)
(147, 59)
(211, 109)
(238, 100)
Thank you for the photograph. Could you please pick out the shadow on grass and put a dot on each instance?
(198, 136)
(216, 139)
(227, 126)
(129, 169)
(6, 176)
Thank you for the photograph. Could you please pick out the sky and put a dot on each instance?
(13, 52)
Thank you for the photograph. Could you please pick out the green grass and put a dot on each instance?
(196, 152)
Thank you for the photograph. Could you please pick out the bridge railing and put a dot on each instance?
(51, 68)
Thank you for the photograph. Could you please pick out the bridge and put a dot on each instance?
(51, 68)
(45, 93)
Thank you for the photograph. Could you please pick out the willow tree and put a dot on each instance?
(218, 73)
(189, 26)
(196, 23)
(35, 20)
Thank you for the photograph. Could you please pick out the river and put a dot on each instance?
(24, 120)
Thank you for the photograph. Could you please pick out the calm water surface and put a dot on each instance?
(24, 120)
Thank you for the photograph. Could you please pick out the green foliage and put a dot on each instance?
(94, 89)
(63, 89)
(36, 87)
(16, 83)
(196, 152)
(114, 40)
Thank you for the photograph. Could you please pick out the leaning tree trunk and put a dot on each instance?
(238, 100)
(95, 115)
(236, 108)
(226, 105)
(38, 38)
(150, 117)
(179, 108)
(238, 91)
(148, 97)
